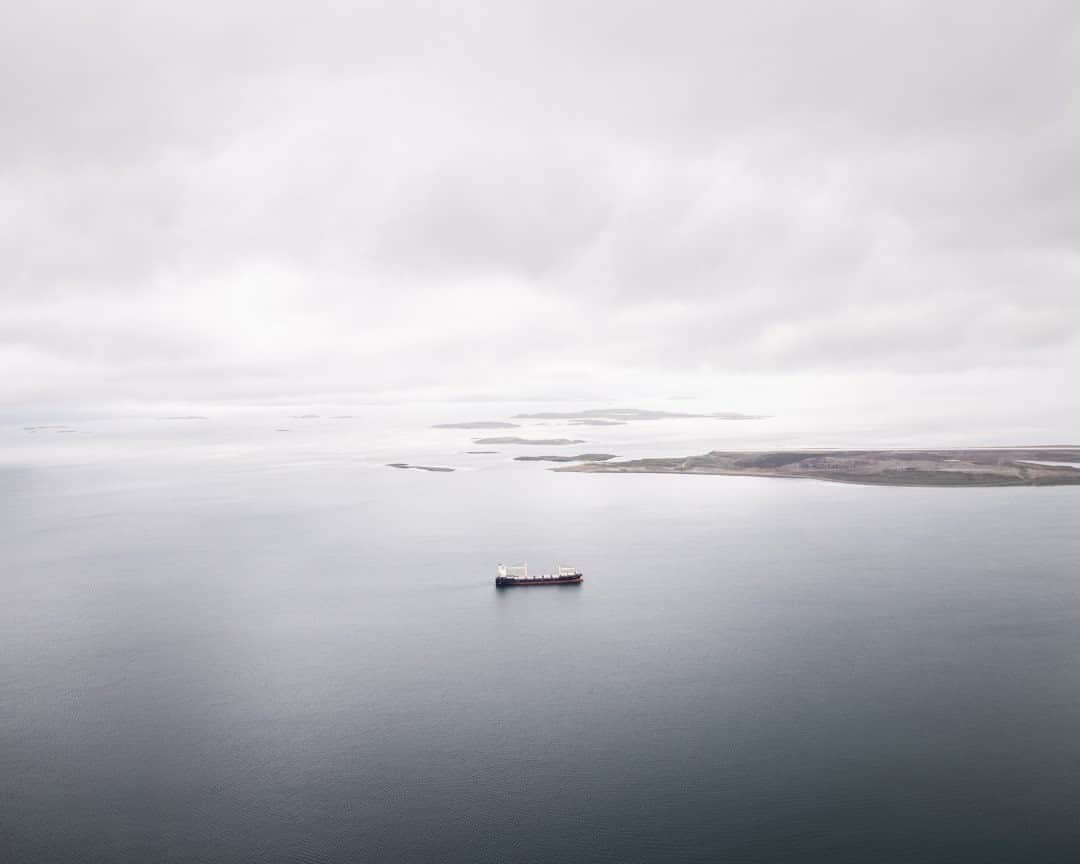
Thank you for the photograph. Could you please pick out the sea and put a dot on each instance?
(243, 638)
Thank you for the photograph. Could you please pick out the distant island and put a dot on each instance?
(478, 424)
(581, 457)
(551, 442)
(480, 452)
(185, 417)
(418, 467)
(989, 466)
(623, 415)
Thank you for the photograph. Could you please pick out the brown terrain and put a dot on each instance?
(983, 466)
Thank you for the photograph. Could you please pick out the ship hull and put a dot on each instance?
(513, 582)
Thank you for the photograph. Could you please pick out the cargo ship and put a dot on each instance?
(517, 575)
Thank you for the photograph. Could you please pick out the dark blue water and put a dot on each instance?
(241, 660)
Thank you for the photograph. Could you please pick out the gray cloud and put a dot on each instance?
(260, 201)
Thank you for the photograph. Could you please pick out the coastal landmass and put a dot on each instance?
(595, 421)
(624, 415)
(478, 424)
(983, 466)
(552, 442)
(418, 467)
(581, 457)
(480, 452)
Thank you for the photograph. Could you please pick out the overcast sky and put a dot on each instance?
(260, 202)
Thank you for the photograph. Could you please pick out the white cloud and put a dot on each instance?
(262, 201)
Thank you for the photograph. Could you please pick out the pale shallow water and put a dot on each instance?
(221, 643)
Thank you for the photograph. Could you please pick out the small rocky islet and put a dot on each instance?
(550, 442)
(624, 415)
(478, 424)
(581, 457)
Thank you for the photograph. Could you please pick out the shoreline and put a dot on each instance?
(945, 468)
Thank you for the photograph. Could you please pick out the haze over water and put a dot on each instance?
(223, 643)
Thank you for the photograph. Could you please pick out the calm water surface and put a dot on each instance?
(290, 653)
